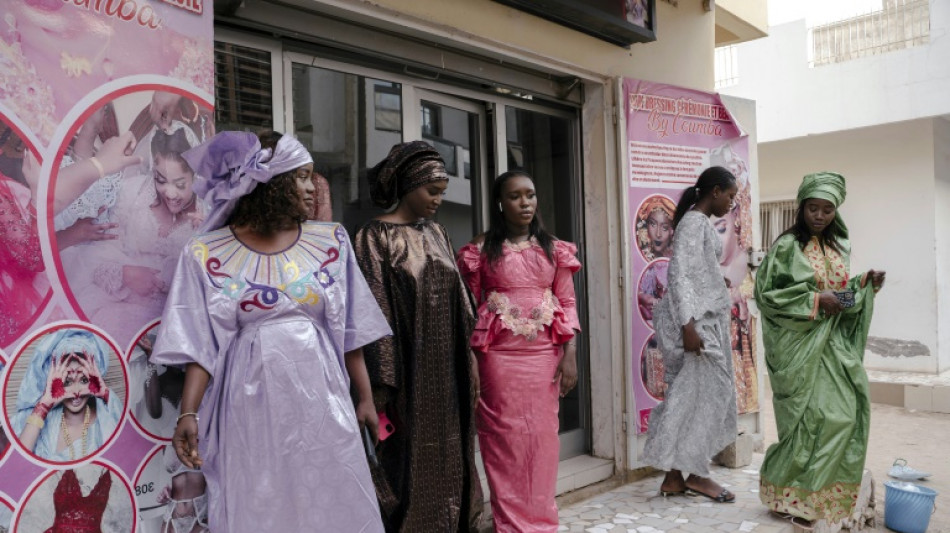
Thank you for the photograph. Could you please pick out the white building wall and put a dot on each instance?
(795, 100)
(941, 127)
(890, 173)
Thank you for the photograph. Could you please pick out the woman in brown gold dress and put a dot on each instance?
(424, 377)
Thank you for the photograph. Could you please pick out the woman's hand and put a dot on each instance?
(143, 281)
(567, 368)
(162, 109)
(116, 153)
(85, 144)
(164, 496)
(877, 278)
(186, 442)
(55, 391)
(146, 345)
(829, 303)
(476, 381)
(96, 385)
(85, 230)
(692, 342)
(367, 417)
(31, 172)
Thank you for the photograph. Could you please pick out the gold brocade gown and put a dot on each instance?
(421, 379)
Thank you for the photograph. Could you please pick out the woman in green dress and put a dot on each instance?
(815, 320)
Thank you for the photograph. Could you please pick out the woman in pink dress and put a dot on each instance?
(521, 276)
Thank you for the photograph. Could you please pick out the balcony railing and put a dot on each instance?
(900, 24)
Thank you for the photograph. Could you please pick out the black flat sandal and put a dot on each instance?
(724, 497)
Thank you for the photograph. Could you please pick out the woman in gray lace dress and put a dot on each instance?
(698, 417)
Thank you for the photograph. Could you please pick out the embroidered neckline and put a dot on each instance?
(829, 267)
(302, 272)
(521, 246)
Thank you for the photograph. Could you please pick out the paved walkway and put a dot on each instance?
(919, 437)
(637, 507)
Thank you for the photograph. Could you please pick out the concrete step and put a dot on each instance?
(910, 390)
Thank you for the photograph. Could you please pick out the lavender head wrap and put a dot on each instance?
(407, 167)
(232, 163)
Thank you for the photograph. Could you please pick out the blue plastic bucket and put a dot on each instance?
(907, 507)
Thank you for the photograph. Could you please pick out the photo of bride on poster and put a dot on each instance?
(4, 441)
(65, 395)
(171, 497)
(654, 227)
(23, 282)
(155, 390)
(53, 53)
(120, 233)
(6, 515)
(735, 231)
(94, 497)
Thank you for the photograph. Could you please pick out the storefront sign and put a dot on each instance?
(97, 101)
(673, 134)
(621, 22)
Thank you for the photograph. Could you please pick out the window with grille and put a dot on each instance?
(776, 217)
(727, 66)
(243, 89)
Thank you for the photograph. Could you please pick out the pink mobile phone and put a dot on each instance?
(386, 427)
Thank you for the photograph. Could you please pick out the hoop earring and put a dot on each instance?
(500, 208)
(190, 120)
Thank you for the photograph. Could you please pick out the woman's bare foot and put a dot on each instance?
(709, 488)
(673, 483)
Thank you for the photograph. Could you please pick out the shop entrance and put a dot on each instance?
(349, 116)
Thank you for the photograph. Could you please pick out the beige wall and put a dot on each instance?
(890, 173)
(741, 20)
(682, 53)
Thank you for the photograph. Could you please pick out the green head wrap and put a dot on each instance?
(828, 186)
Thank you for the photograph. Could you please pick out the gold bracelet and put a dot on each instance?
(183, 415)
(35, 421)
(96, 163)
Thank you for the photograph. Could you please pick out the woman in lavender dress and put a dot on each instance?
(269, 314)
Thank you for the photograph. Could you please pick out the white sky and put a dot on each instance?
(817, 12)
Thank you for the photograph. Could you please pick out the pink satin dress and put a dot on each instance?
(526, 311)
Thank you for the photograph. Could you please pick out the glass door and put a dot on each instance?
(349, 122)
(543, 143)
(456, 128)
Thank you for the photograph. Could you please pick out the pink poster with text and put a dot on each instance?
(98, 99)
(673, 134)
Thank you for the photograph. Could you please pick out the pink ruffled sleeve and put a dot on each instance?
(470, 266)
(565, 322)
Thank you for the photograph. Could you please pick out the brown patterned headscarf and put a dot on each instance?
(407, 167)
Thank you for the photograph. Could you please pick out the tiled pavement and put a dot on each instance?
(638, 508)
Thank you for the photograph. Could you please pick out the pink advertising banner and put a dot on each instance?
(673, 134)
(98, 99)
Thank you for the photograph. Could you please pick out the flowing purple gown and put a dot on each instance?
(278, 433)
